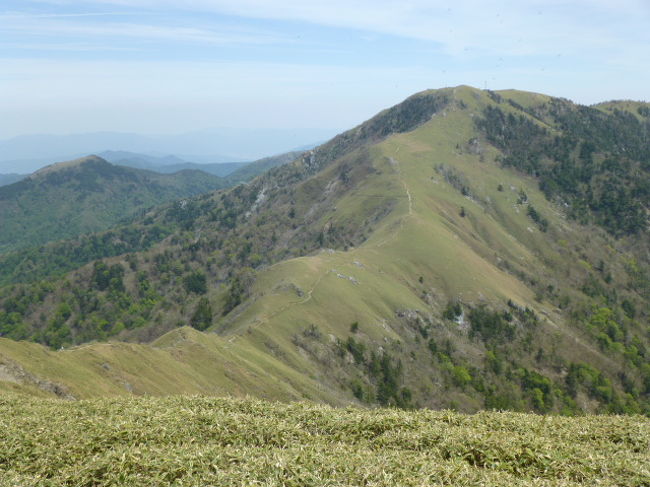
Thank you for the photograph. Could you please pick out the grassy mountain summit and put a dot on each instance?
(86, 195)
(465, 249)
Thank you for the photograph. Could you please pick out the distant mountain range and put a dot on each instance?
(27, 153)
(168, 164)
(171, 164)
(10, 178)
(90, 194)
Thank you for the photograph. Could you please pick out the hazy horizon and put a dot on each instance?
(164, 67)
(24, 154)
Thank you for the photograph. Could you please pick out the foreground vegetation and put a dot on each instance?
(208, 441)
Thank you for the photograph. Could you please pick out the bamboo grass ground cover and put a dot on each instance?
(197, 441)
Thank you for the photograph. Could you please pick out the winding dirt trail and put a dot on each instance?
(260, 321)
(396, 165)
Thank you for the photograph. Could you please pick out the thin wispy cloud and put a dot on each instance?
(507, 26)
(17, 16)
(66, 47)
(53, 26)
(111, 63)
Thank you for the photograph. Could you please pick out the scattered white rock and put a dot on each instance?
(343, 276)
(261, 196)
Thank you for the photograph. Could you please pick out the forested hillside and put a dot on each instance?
(6, 179)
(464, 249)
(596, 162)
(133, 232)
(87, 195)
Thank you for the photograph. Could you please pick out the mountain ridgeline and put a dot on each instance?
(598, 163)
(465, 249)
(90, 194)
(6, 179)
(167, 164)
(86, 195)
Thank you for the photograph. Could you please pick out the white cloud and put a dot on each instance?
(587, 50)
(515, 27)
(63, 27)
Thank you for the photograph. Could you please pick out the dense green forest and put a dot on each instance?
(88, 195)
(226, 254)
(134, 231)
(596, 162)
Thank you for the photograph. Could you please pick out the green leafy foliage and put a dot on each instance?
(202, 317)
(105, 277)
(599, 163)
(56, 258)
(239, 288)
(453, 310)
(88, 195)
(542, 222)
(195, 282)
(490, 325)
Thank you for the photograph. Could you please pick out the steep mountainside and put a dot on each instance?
(86, 195)
(248, 171)
(233, 172)
(135, 234)
(463, 249)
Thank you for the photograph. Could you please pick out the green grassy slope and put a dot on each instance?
(639, 109)
(201, 441)
(402, 263)
(424, 254)
(183, 361)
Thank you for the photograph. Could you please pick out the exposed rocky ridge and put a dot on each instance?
(13, 372)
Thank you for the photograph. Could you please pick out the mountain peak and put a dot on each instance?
(450, 251)
(58, 166)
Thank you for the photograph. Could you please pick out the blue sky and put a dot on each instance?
(176, 66)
